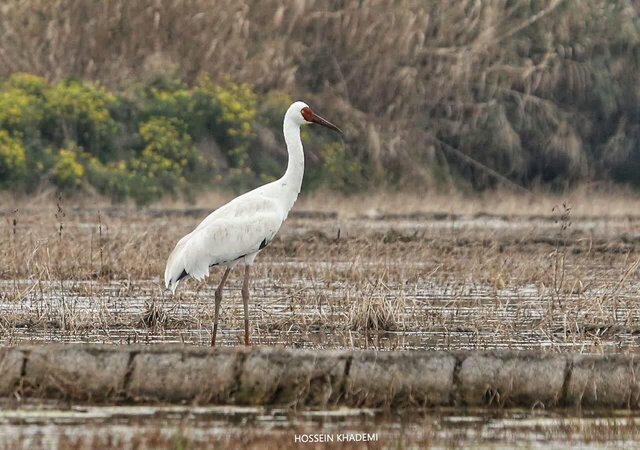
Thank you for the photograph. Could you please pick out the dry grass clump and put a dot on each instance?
(155, 316)
(375, 311)
(374, 314)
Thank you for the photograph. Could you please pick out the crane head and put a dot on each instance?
(312, 117)
(308, 116)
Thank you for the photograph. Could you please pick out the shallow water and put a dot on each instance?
(318, 314)
(229, 427)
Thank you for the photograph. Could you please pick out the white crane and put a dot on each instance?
(239, 230)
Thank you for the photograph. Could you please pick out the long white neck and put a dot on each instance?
(292, 178)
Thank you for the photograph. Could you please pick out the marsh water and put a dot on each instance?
(237, 427)
(431, 316)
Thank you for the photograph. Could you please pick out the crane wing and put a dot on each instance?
(223, 238)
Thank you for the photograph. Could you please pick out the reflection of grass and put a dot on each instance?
(471, 280)
(440, 428)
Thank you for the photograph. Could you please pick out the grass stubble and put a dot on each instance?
(507, 277)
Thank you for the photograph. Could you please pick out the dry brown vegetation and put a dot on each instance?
(564, 280)
(537, 91)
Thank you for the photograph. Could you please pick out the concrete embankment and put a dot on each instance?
(323, 378)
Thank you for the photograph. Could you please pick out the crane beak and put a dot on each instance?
(324, 122)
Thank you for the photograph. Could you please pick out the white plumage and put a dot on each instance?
(240, 229)
(236, 231)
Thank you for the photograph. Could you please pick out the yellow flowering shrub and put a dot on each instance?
(339, 171)
(234, 132)
(80, 112)
(67, 171)
(238, 105)
(12, 159)
(165, 139)
(112, 179)
(170, 103)
(167, 153)
(155, 137)
(20, 110)
(27, 82)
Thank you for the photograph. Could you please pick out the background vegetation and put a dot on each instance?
(137, 99)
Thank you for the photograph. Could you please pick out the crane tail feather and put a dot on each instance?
(172, 284)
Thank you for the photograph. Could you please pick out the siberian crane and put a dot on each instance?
(237, 231)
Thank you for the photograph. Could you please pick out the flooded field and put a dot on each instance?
(553, 282)
(224, 427)
(303, 313)
(422, 282)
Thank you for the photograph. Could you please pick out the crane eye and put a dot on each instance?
(307, 114)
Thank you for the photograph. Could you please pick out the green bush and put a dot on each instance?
(153, 139)
(165, 160)
(20, 111)
(113, 179)
(67, 172)
(233, 126)
(12, 161)
(80, 112)
(164, 99)
(340, 172)
(27, 82)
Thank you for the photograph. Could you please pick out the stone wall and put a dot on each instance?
(317, 378)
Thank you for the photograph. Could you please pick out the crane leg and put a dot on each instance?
(218, 297)
(245, 301)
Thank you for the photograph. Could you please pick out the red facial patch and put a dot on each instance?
(307, 114)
